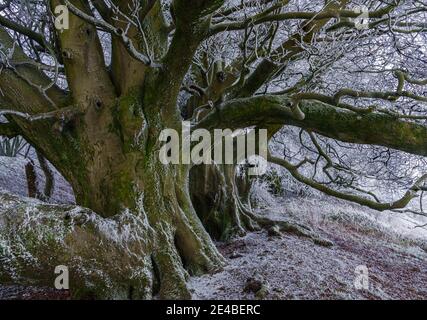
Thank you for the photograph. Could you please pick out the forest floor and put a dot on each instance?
(391, 248)
(291, 267)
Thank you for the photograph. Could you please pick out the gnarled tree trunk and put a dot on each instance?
(130, 177)
(221, 199)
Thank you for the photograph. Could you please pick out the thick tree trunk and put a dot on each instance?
(159, 195)
(181, 243)
(221, 199)
(124, 174)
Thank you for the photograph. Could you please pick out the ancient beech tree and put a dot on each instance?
(92, 98)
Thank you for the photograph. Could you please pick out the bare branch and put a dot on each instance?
(398, 204)
(37, 37)
(327, 120)
(118, 32)
(61, 114)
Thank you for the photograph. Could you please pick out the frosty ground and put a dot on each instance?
(291, 267)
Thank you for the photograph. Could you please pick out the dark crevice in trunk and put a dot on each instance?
(156, 277)
(49, 177)
(31, 175)
(182, 254)
(217, 195)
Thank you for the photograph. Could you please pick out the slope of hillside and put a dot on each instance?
(290, 267)
(391, 248)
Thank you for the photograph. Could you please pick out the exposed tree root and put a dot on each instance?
(293, 227)
(287, 226)
(133, 255)
(222, 202)
(182, 247)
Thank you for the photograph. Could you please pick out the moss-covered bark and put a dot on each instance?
(103, 255)
(132, 179)
(221, 200)
(140, 188)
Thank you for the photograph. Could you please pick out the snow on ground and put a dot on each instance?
(291, 267)
(12, 175)
(13, 179)
(317, 210)
(295, 268)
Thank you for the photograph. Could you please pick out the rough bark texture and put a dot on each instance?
(102, 254)
(221, 199)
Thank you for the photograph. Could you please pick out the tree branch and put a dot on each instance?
(330, 121)
(37, 37)
(267, 68)
(83, 55)
(22, 80)
(398, 204)
(192, 21)
(118, 32)
(312, 16)
(61, 114)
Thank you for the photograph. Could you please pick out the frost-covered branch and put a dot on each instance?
(118, 32)
(269, 16)
(61, 114)
(398, 204)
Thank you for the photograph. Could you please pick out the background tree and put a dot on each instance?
(94, 98)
